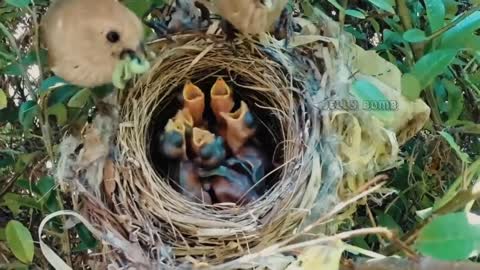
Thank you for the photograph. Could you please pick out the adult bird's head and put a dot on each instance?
(86, 39)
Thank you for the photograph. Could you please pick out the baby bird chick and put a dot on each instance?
(230, 186)
(172, 143)
(86, 39)
(191, 185)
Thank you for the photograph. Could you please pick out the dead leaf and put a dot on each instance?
(274, 262)
(319, 257)
(93, 147)
(109, 183)
(308, 27)
(372, 64)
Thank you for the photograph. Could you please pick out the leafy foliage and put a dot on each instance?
(455, 236)
(19, 241)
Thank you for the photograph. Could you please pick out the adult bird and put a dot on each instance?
(86, 39)
(248, 16)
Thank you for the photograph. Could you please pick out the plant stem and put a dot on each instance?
(432, 102)
(33, 11)
(341, 15)
(404, 13)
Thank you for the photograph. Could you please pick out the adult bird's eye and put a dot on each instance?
(113, 36)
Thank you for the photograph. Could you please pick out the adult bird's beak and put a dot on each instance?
(131, 54)
(131, 62)
(138, 53)
(128, 52)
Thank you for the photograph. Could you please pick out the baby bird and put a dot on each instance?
(86, 39)
(208, 148)
(239, 128)
(191, 185)
(254, 162)
(212, 154)
(172, 142)
(230, 186)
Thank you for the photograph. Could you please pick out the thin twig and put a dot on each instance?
(33, 11)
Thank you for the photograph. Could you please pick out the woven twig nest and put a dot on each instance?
(147, 224)
(220, 232)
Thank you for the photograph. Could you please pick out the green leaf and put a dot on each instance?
(139, 7)
(86, 236)
(410, 86)
(392, 37)
(465, 126)
(386, 220)
(51, 83)
(355, 13)
(3, 99)
(461, 35)
(414, 35)
(3, 237)
(451, 8)
(31, 57)
(451, 141)
(17, 201)
(431, 65)
(6, 159)
(80, 98)
(46, 184)
(417, 12)
(103, 91)
(435, 14)
(12, 205)
(62, 94)
(335, 4)
(441, 96)
(18, 3)
(60, 112)
(4, 53)
(20, 241)
(360, 242)
(455, 100)
(450, 237)
(24, 159)
(27, 113)
(25, 184)
(375, 24)
(308, 9)
(14, 69)
(384, 5)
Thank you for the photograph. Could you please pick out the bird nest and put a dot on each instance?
(128, 197)
(220, 232)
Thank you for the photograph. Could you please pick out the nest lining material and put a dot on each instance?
(316, 149)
